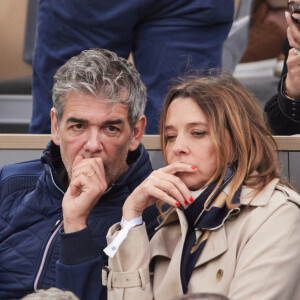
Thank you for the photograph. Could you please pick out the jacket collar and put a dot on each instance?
(138, 160)
(139, 166)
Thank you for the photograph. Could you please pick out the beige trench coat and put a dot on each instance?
(254, 256)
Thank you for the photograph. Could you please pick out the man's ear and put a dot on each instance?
(137, 133)
(54, 127)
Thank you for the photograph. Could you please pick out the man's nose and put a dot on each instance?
(94, 141)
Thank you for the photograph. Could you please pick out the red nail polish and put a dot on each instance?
(193, 167)
(185, 202)
(177, 203)
(191, 200)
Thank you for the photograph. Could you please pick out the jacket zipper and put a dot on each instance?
(55, 230)
(45, 255)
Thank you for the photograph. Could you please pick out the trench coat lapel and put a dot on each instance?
(168, 242)
(165, 242)
(217, 242)
(216, 245)
(166, 239)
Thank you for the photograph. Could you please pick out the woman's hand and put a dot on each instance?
(162, 184)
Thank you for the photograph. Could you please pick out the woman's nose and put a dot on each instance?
(180, 145)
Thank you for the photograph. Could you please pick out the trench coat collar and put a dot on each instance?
(167, 238)
(262, 198)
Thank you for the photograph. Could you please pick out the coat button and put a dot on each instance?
(219, 274)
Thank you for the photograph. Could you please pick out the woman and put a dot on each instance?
(233, 224)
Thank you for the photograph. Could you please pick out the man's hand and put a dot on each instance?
(87, 185)
(293, 32)
(292, 86)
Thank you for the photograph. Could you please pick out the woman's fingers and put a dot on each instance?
(179, 167)
(172, 172)
(160, 194)
(161, 184)
(170, 184)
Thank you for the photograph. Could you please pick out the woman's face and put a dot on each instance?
(188, 140)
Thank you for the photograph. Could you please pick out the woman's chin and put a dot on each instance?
(191, 183)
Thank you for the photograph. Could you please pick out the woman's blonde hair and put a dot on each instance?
(230, 107)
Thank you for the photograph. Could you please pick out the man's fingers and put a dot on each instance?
(90, 167)
(293, 30)
(74, 188)
(90, 186)
(77, 160)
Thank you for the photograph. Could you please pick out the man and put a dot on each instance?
(60, 207)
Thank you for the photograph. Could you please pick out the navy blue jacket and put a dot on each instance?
(34, 253)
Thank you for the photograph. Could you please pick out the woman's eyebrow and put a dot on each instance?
(188, 124)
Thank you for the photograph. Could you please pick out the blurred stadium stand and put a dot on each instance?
(21, 147)
(15, 93)
(18, 23)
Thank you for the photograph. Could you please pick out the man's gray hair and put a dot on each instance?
(104, 75)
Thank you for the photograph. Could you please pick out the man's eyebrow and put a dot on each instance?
(76, 120)
(114, 122)
(83, 121)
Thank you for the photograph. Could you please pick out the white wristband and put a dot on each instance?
(113, 247)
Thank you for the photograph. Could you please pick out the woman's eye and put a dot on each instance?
(170, 138)
(198, 133)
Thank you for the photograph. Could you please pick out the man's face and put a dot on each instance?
(93, 128)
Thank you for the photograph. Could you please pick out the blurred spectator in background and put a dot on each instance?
(51, 294)
(202, 296)
(167, 38)
(283, 109)
(267, 30)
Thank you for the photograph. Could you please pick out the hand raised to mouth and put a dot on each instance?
(87, 185)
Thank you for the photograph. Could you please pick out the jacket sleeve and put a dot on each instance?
(79, 267)
(283, 114)
(268, 265)
(128, 276)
